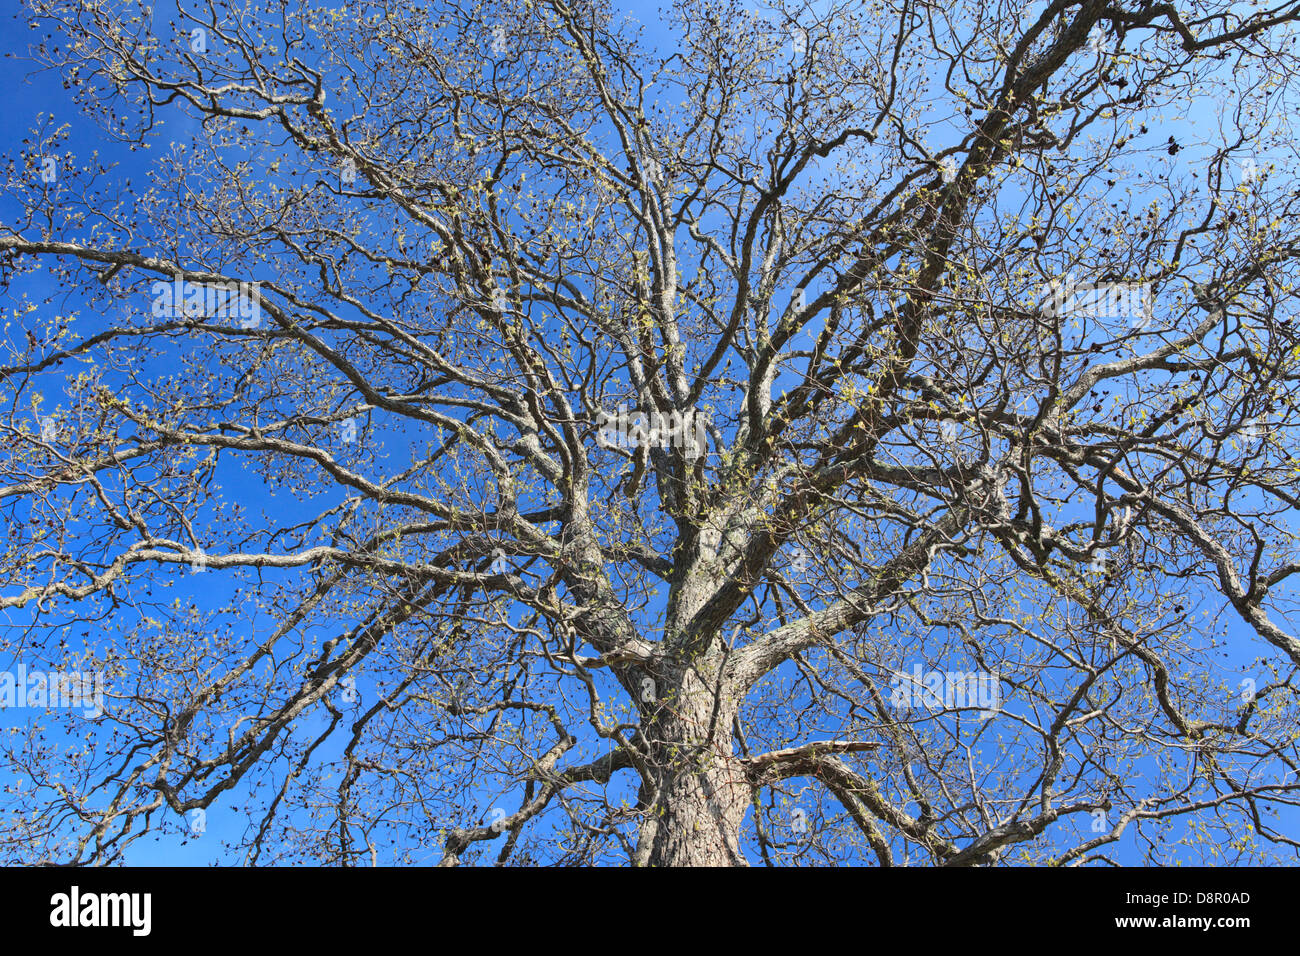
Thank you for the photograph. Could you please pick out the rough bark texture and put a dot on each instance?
(700, 794)
(698, 823)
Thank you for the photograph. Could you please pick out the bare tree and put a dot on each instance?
(862, 432)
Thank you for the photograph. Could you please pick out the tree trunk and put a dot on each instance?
(697, 802)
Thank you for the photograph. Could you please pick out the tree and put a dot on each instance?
(779, 435)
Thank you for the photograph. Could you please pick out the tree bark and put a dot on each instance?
(698, 794)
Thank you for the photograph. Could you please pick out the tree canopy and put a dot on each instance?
(850, 432)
